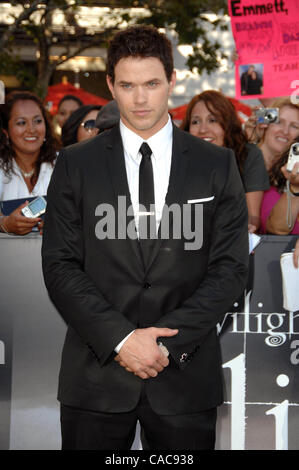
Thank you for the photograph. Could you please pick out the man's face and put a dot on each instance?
(141, 90)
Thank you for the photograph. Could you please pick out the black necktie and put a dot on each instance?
(147, 219)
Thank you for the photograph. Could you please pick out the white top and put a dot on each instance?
(14, 186)
(161, 146)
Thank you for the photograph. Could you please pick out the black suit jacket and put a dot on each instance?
(103, 291)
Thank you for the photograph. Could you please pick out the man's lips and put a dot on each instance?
(141, 112)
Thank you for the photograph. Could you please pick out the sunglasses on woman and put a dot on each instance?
(89, 124)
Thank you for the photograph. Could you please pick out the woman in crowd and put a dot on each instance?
(278, 136)
(27, 155)
(67, 105)
(273, 139)
(212, 117)
(280, 206)
(80, 125)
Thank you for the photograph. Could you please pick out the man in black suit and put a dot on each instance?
(145, 248)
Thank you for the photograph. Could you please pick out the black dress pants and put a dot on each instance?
(91, 430)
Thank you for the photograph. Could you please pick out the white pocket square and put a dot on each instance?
(204, 199)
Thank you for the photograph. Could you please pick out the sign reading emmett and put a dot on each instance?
(266, 34)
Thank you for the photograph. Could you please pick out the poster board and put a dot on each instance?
(266, 35)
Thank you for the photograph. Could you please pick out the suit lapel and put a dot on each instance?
(179, 165)
(118, 175)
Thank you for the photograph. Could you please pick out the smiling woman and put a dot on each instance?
(279, 136)
(212, 117)
(280, 206)
(27, 154)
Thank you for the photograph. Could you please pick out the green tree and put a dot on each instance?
(187, 18)
(190, 20)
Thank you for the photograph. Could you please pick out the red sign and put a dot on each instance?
(266, 34)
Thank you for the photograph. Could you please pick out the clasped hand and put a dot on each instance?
(141, 355)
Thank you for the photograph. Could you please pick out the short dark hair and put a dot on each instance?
(140, 41)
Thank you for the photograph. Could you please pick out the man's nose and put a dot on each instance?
(140, 95)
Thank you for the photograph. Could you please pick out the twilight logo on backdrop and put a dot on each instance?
(277, 326)
(238, 404)
(242, 374)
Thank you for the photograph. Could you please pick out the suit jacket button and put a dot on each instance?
(146, 285)
(183, 358)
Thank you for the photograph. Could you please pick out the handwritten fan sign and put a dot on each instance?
(266, 34)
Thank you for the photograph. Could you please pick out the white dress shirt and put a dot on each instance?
(161, 146)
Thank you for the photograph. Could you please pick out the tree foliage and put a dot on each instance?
(188, 19)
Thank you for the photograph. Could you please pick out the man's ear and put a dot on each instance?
(172, 82)
(110, 85)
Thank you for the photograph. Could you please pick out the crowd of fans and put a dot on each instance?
(212, 117)
(29, 148)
